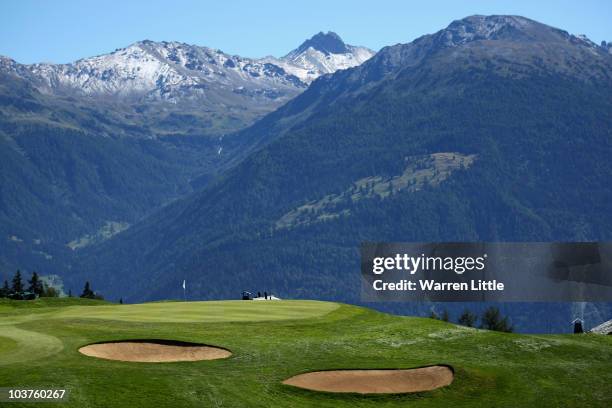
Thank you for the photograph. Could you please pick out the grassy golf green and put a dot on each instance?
(271, 341)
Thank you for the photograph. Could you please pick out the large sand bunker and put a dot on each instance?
(154, 351)
(375, 381)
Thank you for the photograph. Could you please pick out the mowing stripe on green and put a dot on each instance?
(31, 345)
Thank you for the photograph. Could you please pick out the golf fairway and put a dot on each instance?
(273, 341)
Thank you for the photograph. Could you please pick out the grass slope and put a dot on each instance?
(271, 341)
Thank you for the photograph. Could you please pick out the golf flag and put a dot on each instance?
(183, 284)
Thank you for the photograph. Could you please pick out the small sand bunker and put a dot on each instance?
(375, 381)
(154, 351)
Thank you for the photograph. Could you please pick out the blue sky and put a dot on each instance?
(62, 31)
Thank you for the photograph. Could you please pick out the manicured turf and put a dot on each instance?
(191, 312)
(7, 344)
(272, 341)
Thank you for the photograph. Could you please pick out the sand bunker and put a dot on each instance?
(154, 351)
(375, 381)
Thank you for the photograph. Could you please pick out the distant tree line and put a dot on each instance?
(36, 288)
(491, 319)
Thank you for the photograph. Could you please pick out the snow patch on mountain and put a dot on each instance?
(161, 70)
(313, 63)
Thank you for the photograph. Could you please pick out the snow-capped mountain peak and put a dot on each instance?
(323, 53)
(327, 43)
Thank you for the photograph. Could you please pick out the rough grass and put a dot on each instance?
(492, 369)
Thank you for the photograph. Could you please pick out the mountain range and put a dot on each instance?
(495, 128)
(91, 147)
(228, 91)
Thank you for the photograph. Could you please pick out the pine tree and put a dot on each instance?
(36, 285)
(492, 320)
(434, 315)
(467, 318)
(445, 317)
(87, 292)
(17, 283)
